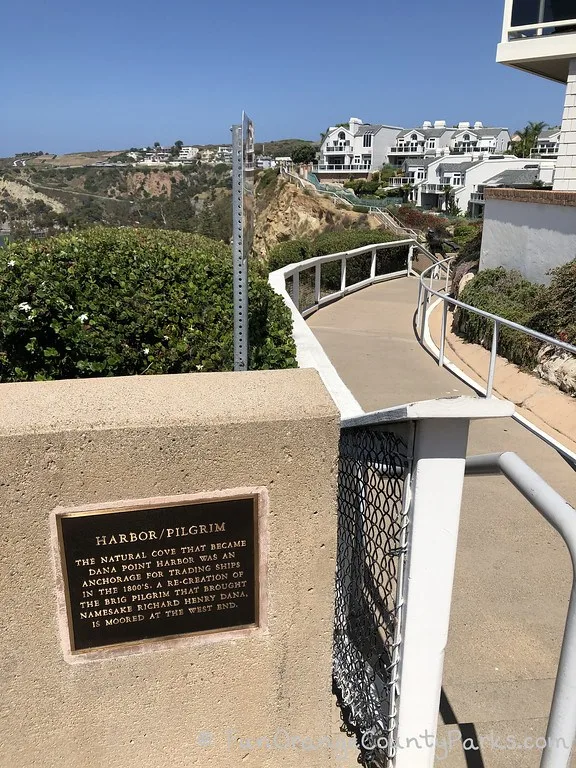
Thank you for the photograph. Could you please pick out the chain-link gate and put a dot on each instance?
(372, 539)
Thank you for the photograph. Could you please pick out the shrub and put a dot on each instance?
(116, 302)
(465, 232)
(287, 252)
(555, 312)
(414, 219)
(358, 267)
(510, 296)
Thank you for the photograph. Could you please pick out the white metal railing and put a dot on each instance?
(399, 181)
(353, 167)
(477, 197)
(540, 24)
(305, 297)
(426, 292)
(409, 149)
(346, 148)
(545, 150)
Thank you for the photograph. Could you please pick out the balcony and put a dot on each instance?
(539, 36)
(400, 181)
(342, 168)
(477, 197)
(550, 150)
(408, 149)
(341, 149)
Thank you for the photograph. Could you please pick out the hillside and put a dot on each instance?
(43, 199)
(285, 211)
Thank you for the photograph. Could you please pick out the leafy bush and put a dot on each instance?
(116, 302)
(510, 296)
(555, 312)
(466, 231)
(288, 252)
(414, 219)
(358, 267)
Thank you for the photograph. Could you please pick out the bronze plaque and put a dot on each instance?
(134, 575)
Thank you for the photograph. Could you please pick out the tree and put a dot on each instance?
(179, 144)
(527, 138)
(406, 191)
(304, 154)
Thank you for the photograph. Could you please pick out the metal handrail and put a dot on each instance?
(423, 301)
(425, 292)
(561, 515)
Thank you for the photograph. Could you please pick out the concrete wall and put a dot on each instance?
(74, 443)
(565, 176)
(532, 231)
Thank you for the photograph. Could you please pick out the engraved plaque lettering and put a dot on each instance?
(150, 573)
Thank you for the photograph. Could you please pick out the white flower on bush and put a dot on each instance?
(24, 306)
(83, 317)
(199, 367)
(11, 263)
(146, 350)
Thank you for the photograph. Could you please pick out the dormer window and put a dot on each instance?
(342, 136)
(466, 137)
(414, 137)
(367, 141)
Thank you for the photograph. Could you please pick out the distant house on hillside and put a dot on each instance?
(356, 148)
(433, 140)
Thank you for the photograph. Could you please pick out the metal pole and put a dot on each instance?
(561, 730)
(239, 263)
(493, 352)
(439, 460)
(443, 334)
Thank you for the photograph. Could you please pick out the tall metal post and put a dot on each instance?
(239, 260)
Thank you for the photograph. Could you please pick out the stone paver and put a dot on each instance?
(513, 574)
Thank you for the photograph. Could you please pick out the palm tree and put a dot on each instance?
(528, 137)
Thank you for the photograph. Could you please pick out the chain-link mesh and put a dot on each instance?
(372, 528)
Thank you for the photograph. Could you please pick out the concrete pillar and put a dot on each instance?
(259, 699)
(565, 175)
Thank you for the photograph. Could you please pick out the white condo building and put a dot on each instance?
(356, 148)
(539, 36)
(534, 230)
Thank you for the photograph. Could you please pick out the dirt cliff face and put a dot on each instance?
(286, 211)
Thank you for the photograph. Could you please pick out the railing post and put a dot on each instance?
(317, 280)
(443, 333)
(439, 462)
(296, 290)
(343, 274)
(373, 265)
(410, 259)
(493, 354)
(423, 315)
(447, 267)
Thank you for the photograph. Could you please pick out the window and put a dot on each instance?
(432, 143)
(414, 137)
(367, 142)
(466, 137)
(342, 136)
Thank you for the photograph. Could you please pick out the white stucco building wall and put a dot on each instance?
(532, 231)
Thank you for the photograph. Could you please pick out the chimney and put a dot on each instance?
(439, 123)
(354, 124)
(464, 125)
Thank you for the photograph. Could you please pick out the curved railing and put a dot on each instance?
(310, 284)
(427, 292)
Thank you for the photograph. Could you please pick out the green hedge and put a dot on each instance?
(555, 314)
(508, 295)
(357, 268)
(116, 302)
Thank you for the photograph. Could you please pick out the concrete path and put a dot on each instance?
(513, 574)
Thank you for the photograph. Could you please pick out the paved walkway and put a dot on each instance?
(513, 574)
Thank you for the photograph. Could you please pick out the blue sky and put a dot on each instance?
(109, 74)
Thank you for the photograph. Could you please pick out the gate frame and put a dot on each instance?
(437, 480)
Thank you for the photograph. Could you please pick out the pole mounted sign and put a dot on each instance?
(242, 232)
